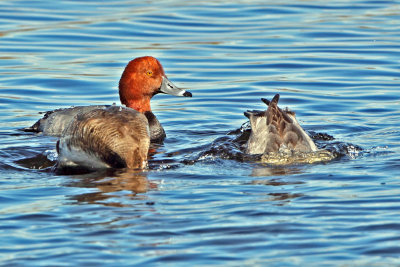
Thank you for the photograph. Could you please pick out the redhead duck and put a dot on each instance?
(278, 136)
(142, 78)
(112, 136)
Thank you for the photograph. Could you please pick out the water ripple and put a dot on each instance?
(203, 202)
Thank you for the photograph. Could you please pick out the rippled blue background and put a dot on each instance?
(335, 63)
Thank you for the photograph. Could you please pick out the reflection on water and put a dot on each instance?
(267, 170)
(108, 182)
(203, 201)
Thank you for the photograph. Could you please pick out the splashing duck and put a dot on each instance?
(278, 136)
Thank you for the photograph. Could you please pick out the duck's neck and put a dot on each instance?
(141, 105)
(157, 133)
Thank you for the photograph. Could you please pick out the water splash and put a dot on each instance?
(232, 147)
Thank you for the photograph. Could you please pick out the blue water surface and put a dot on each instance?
(335, 63)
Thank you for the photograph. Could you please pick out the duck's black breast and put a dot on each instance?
(157, 133)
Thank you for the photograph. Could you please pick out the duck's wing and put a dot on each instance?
(113, 137)
(54, 122)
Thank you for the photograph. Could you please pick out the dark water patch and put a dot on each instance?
(387, 251)
(31, 217)
(315, 84)
(274, 10)
(39, 162)
(334, 34)
(330, 7)
(280, 66)
(62, 83)
(378, 227)
(345, 61)
(290, 228)
(36, 17)
(377, 111)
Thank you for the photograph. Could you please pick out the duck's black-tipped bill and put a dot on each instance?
(187, 94)
(167, 87)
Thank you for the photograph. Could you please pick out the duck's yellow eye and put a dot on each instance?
(149, 73)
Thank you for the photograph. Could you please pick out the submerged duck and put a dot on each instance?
(278, 136)
(112, 136)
